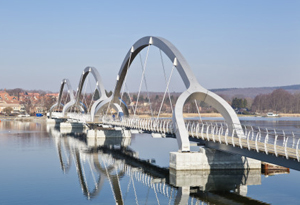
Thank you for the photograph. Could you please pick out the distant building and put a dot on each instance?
(30, 96)
(10, 101)
(53, 95)
(40, 109)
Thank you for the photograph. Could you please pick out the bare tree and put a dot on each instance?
(8, 110)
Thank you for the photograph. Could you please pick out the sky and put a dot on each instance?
(227, 44)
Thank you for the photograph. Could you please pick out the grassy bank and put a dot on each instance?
(289, 114)
(24, 119)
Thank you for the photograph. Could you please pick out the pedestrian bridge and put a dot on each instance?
(95, 109)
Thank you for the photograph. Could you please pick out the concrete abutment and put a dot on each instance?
(210, 159)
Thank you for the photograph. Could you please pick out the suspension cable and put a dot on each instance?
(110, 182)
(136, 198)
(198, 111)
(147, 195)
(162, 102)
(146, 86)
(125, 84)
(93, 175)
(128, 186)
(162, 62)
(107, 108)
(145, 63)
(132, 106)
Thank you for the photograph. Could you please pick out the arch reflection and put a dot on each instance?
(103, 163)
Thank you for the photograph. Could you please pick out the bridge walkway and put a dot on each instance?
(272, 146)
(253, 140)
(277, 150)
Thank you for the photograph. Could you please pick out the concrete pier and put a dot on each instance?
(55, 122)
(108, 137)
(51, 121)
(211, 182)
(72, 127)
(210, 159)
(215, 180)
(108, 133)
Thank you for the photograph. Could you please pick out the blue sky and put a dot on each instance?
(229, 43)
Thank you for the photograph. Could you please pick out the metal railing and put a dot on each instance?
(146, 124)
(269, 141)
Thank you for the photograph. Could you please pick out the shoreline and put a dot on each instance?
(165, 115)
(23, 119)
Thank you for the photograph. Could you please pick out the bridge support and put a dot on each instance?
(108, 137)
(55, 121)
(109, 133)
(210, 159)
(72, 127)
(216, 180)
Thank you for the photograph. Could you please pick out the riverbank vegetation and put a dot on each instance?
(278, 101)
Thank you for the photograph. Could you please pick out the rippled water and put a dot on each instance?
(41, 166)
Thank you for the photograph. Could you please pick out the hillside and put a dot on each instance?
(228, 92)
(252, 92)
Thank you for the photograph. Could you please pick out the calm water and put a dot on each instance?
(41, 166)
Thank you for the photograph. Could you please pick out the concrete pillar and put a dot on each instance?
(51, 121)
(108, 137)
(72, 127)
(209, 159)
(216, 180)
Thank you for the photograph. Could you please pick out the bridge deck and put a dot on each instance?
(268, 145)
(252, 145)
(244, 143)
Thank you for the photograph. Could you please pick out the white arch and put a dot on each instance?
(72, 98)
(194, 89)
(98, 79)
(99, 87)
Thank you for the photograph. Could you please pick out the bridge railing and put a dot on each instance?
(266, 140)
(147, 124)
(80, 117)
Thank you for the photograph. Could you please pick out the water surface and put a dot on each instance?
(41, 166)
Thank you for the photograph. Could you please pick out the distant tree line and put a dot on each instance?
(278, 101)
(239, 103)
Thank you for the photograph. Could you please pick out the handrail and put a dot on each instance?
(269, 141)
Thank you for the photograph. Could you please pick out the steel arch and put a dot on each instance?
(72, 98)
(99, 87)
(194, 89)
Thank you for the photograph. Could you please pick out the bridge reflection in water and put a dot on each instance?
(102, 165)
